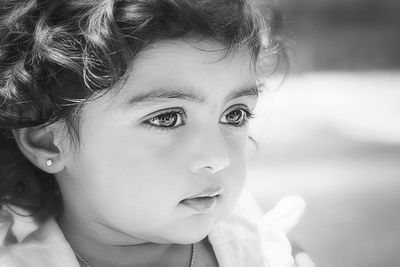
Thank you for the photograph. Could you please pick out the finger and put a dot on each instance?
(303, 260)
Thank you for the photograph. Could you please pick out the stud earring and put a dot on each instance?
(49, 162)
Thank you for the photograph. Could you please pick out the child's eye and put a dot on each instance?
(167, 119)
(237, 117)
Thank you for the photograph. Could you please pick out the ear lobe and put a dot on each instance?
(38, 145)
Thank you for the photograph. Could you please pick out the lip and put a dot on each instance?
(201, 204)
(208, 192)
(204, 201)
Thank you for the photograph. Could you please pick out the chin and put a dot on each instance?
(190, 238)
(193, 230)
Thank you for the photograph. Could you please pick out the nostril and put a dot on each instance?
(216, 167)
(211, 156)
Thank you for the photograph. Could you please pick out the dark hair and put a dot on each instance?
(89, 45)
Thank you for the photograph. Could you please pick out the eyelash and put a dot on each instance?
(164, 113)
(247, 116)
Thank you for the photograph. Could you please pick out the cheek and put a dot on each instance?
(236, 172)
(128, 177)
(136, 165)
(131, 167)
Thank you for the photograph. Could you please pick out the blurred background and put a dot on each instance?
(331, 132)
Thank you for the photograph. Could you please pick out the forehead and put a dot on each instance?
(187, 51)
(190, 65)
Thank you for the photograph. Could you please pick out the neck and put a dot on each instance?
(99, 252)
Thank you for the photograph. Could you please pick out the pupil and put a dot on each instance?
(235, 116)
(167, 119)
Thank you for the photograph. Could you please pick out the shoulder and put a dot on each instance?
(25, 244)
(250, 235)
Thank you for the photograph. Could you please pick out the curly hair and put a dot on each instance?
(55, 55)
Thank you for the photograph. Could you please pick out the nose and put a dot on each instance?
(210, 153)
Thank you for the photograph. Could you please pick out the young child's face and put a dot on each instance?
(176, 129)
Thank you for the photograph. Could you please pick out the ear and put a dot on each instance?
(42, 146)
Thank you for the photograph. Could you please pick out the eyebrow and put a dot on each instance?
(168, 94)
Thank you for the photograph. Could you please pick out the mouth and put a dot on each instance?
(204, 201)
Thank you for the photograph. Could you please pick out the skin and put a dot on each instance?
(122, 188)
